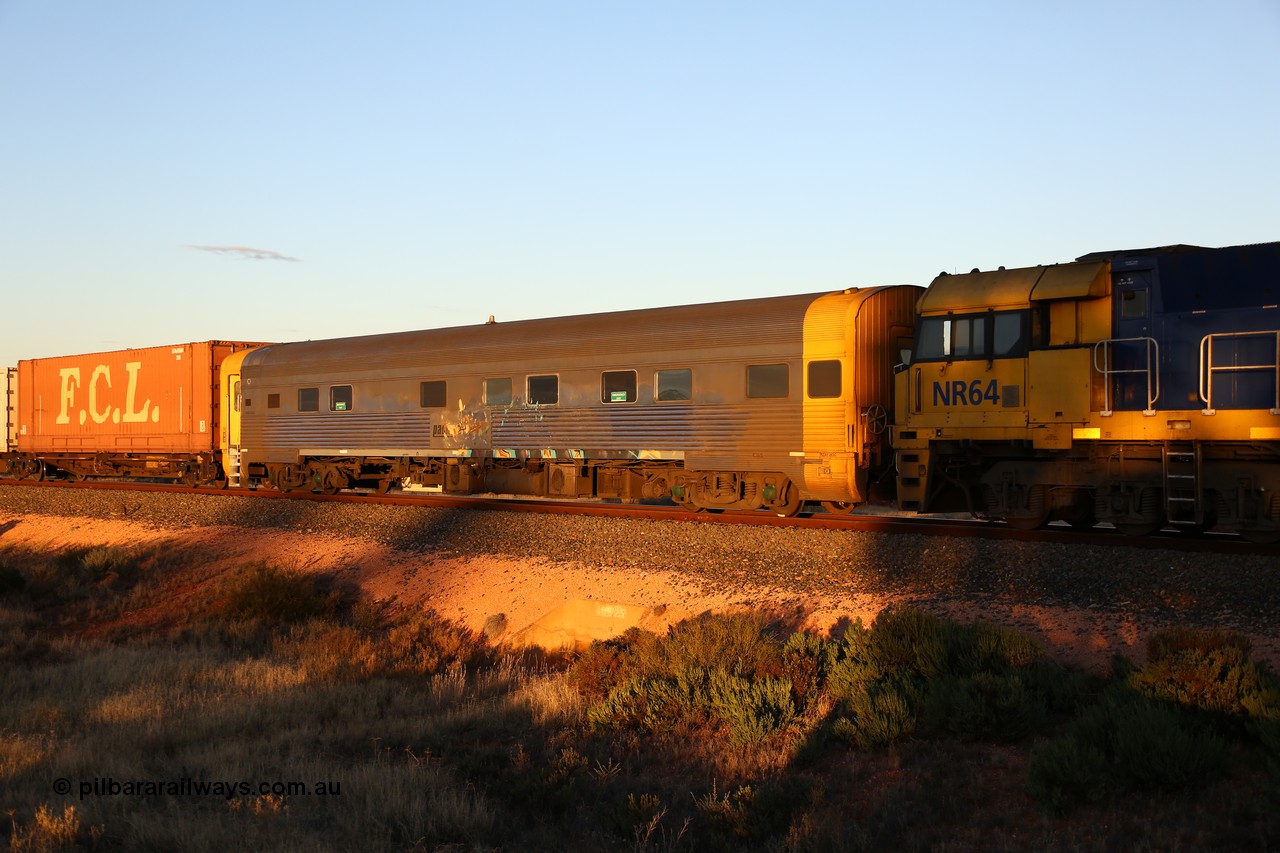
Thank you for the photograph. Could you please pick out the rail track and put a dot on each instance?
(868, 519)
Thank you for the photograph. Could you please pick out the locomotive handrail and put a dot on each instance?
(1207, 368)
(1152, 352)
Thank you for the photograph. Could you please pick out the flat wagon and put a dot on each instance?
(150, 413)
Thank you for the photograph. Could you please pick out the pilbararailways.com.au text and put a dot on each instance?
(109, 786)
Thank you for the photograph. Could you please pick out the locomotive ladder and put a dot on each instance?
(233, 467)
(1182, 470)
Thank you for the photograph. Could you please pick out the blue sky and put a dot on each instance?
(407, 165)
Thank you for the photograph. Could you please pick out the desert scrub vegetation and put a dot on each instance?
(1199, 705)
(728, 732)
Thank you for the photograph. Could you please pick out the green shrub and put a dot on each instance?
(11, 580)
(424, 643)
(1068, 772)
(752, 710)
(597, 669)
(754, 812)
(1211, 671)
(1159, 747)
(274, 596)
(804, 659)
(726, 669)
(880, 712)
(739, 643)
(1125, 741)
(1170, 641)
(988, 706)
(978, 681)
(73, 573)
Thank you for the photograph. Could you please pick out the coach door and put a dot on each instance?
(231, 406)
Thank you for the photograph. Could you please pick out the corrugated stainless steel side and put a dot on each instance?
(743, 328)
(345, 430)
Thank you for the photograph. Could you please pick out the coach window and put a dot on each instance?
(273, 401)
(824, 378)
(673, 386)
(618, 386)
(308, 399)
(767, 380)
(543, 390)
(340, 398)
(497, 392)
(433, 394)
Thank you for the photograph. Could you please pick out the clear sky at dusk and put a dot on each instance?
(400, 165)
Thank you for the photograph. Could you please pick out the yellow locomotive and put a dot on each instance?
(1138, 388)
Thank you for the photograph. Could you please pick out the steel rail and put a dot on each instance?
(863, 521)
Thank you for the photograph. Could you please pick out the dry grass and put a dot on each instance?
(427, 738)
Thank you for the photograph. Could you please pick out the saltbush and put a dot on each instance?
(73, 573)
(1208, 670)
(1125, 741)
(913, 671)
(725, 670)
(273, 595)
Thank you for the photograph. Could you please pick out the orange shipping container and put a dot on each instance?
(159, 400)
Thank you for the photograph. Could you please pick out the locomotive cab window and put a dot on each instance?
(340, 398)
(618, 386)
(239, 397)
(308, 399)
(990, 335)
(1009, 334)
(673, 386)
(433, 394)
(497, 392)
(767, 380)
(824, 379)
(543, 390)
(1133, 304)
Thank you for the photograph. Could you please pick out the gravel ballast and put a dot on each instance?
(1208, 590)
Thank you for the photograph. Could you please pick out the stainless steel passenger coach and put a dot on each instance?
(761, 403)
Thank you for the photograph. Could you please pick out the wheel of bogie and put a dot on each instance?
(1028, 522)
(383, 486)
(1261, 537)
(838, 507)
(1138, 528)
(792, 506)
(1080, 516)
(331, 481)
